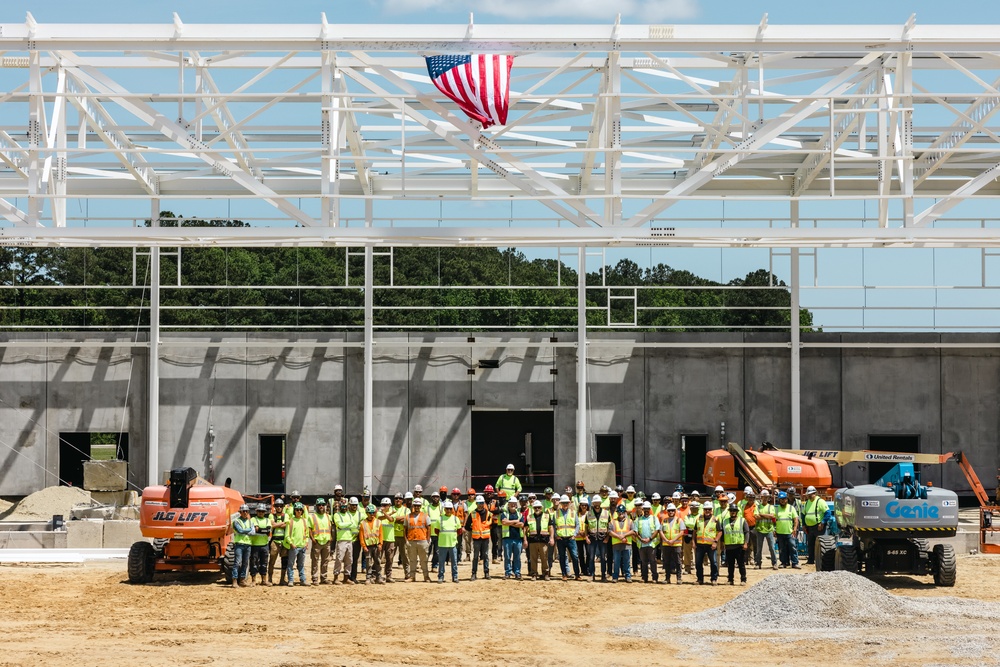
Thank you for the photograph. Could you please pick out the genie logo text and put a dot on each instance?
(924, 511)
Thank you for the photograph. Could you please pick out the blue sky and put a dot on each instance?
(503, 11)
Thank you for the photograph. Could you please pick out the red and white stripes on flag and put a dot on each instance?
(478, 84)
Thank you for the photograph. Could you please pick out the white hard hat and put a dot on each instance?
(695, 504)
(732, 497)
(719, 488)
(419, 488)
(564, 499)
(353, 501)
(613, 494)
(596, 500)
(512, 499)
(338, 487)
(480, 499)
(407, 496)
(418, 501)
(556, 497)
(386, 501)
(707, 506)
(447, 505)
(747, 489)
(671, 507)
(656, 496)
(630, 489)
(510, 466)
(676, 494)
(537, 503)
(765, 492)
(646, 506)
(811, 489)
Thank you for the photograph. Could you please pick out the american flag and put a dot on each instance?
(480, 84)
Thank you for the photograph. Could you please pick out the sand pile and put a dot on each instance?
(42, 505)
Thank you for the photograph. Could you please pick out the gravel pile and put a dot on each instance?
(41, 505)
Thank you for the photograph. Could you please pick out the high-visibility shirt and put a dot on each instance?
(720, 510)
(370, 532)
(683, 512)
(690, 519)
(245, 525)
(447, 528)
(566, 524)
(784, 519)
(814, 510)
(434, 514)
(344, 522)
(547, 505)
(297, 533)
(537, 524)
(320, 524)
(470, 506)
(278, 532)
(621, 526)
(357, 516)
(732, 531)
(580, 497)
(598, 525)
(263, 528)
(750, 515)
(506, 531)
(399, 513)
(673, 532)
(509, 483)
(481, 523)
(706, 530)
(648, 527)
(606, 502)
(460, 511)
(763, 525)
(388, 526)
(629, 504)
(418, 527)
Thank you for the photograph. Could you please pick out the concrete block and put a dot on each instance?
(109, 497)
(105, 475)
(126, 512)
(121, 534)
(84, 534)
(29, 539)
(596, 475)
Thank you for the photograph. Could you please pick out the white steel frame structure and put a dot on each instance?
(614, 132)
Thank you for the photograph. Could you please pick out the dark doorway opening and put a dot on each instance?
(76, 448)
(693, 450)
(609, 450)
(890, 443)
(272, 464)
(524, 438)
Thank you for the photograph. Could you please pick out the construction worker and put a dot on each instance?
(479, 523)
(672, 530)
(813, 511)
(764, 530)
(337, 496)
(581, 494)
(786, 526)
(509, 483)
(657, 505)
(539, 537)
(387, 551)
(358, 514)
(459, 507)
(418, 492)
(647, 532)
(295, 497)
(553, 507)
(258, 544)
(708, 535)
(242, 530)
(433, 510)
(470, 507)
(320, 532)
(418, 538)
(370, 536)
(547, 503)
(605, 498)
(567, 524)
(748, 510)
(736, 536)
(511, 524)
(496, 543)
(401, 509)
(343, 554)
(449, 527)
(296, 539)
(721, 506)
(598, 520)
(583, 537)
(278, 552)
(620, 531)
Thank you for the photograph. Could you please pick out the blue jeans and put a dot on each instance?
(568, 544)
(444, 555)
(512, 556)
(241, 561)
(598, 553)
(788, 549)
(622, 559)
(296, 561)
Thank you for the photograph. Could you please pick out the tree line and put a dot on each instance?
(271, 288)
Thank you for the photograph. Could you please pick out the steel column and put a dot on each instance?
(153, 403)
(582, 437)
(796, 376)
(369, 420)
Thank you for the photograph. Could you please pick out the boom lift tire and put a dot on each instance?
(847, 558)
(826, 553)
(945, 565)
(141, 563)
(227, 562)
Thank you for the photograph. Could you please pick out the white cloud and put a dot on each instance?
(534, 11)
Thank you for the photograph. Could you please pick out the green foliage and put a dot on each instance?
(274, 288)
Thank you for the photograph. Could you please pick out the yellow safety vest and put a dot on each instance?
(345, 525)
(263, 526)
(763, 525)
(673, 531)
(733, 531)
(784, 519)
(565, 524)
(622, 526)
(448, 531)
(321, 528)
(297, 534)
(706, 530)
(240, 538)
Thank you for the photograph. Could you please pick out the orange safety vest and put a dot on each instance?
(460, 511)
(749, 516)
(371, 532)
(674, 532)
(417, 528)
(481, 527)
(706, 531)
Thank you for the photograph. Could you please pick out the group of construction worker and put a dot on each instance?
(615, 534)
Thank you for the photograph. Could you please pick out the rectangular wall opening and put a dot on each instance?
(890, 443)
(608, 448)
(76, 448)
(525, 438)
(694, 446)
(271, 464)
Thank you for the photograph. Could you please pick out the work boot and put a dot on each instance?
(243, 583)
(250, 584)
(390, 580)
(235, 584)
(347, 579)
(265, 583)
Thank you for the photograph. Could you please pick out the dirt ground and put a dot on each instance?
(90, 615)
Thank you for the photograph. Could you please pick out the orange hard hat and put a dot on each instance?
(443, 489)
(472, 491)
(502, 493)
